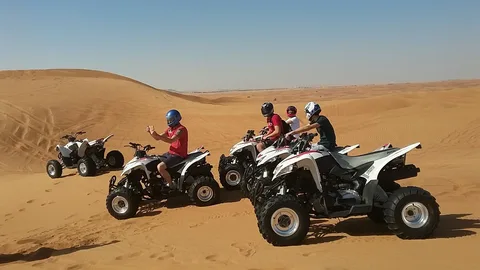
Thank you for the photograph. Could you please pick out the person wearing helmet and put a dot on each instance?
(293, 120)
(177, 136)
(274, 123)
(323, 126)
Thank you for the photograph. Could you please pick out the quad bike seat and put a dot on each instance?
(190, 157)
(352, 162)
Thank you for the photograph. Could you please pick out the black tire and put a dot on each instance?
(404, 196)
(208, 187)
(231, 176)
(115, 159)
(54, 169)
(86, 167)
(377, 214)
(245, 184)
(122, 197)
(274, 204)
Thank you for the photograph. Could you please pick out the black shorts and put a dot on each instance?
(170, 159)
(268, 142)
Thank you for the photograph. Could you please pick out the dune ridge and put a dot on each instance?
(63, 223)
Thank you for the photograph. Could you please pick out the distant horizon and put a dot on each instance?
(213, 45)
(247, 89)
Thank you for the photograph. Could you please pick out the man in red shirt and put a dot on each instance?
(177, 135)
(274, 122)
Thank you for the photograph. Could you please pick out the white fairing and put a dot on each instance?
(250, 146)
(190, 163)
(82, 148)
(280, 152)
(265, 153)
(377, 166)
(138, 163)
(304, 160)
(348, 149)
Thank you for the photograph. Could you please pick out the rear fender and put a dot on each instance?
(188, 165)
(348, 149)
(377, 166)
(305, 160)
(106, 138)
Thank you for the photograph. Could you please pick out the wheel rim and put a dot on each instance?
(415, 215)
(233, 177)
(285, 222)
(83, 168)
(51, 169)
(205, 193)
(111, 160)
(119, 205)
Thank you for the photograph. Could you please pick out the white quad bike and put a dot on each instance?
(232, 167)
(322, 184)
(84, 155)
(141, 182)
(268, 159)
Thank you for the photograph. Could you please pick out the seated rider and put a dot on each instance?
(293, 120)
(177, 135)
(274, 123)
(323, 126)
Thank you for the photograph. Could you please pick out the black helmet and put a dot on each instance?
(267, 109)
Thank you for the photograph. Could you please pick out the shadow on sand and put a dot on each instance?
(450, 226)
(152, 208)
(45, 253)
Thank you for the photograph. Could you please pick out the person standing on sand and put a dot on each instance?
(177, 135)
(293, 120)
(323, 126)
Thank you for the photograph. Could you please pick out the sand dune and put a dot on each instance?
(63, 224)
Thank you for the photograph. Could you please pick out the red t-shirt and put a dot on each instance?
(274, 120)
(180, 146)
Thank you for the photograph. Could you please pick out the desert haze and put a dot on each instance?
(63, 223)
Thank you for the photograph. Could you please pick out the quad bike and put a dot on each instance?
(231, 168)
(142, 182)
(86, 156)
(330, 185)
(267, 160)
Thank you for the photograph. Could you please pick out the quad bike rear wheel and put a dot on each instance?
(54, 168)
(115, 159)
(283, 221)
(231, 176)
(122, 203)
(86, 167)
(412, 213)
(377, 215)
(204, 191)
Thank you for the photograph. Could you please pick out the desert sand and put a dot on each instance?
(64, 224)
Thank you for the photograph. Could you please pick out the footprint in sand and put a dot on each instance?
(75, 267)
(246, 249)
(21, 209)
(30, 201)
(128, 256)
(48, 190)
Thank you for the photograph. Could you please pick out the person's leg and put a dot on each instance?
(162, 169)
(260, 147)
(169, 161)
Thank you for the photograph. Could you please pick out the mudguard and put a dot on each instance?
(250, 146)
(372, 172)
(303, 160)
(282, 152)
(137, 164)
(187, 165)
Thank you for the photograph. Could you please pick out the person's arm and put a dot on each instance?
(175, 137)
(289, 120)
(304, 128)
(157, 136)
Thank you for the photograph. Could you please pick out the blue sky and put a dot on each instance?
(205, 44)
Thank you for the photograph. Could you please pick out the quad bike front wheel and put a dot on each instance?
(283, 221)
(231, 176)
(54, 169)
(204, 191)
(115, 159)
(122, 203)
(86, 167)
(412, 213)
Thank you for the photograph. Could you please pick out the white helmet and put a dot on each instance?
(312, 108)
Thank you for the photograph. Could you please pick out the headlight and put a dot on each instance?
(283, 170)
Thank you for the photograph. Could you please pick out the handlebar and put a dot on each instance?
(138, 146)
(72, 136)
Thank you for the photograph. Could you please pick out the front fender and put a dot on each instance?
(298, 162)
(249, 146)
(135, 166)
